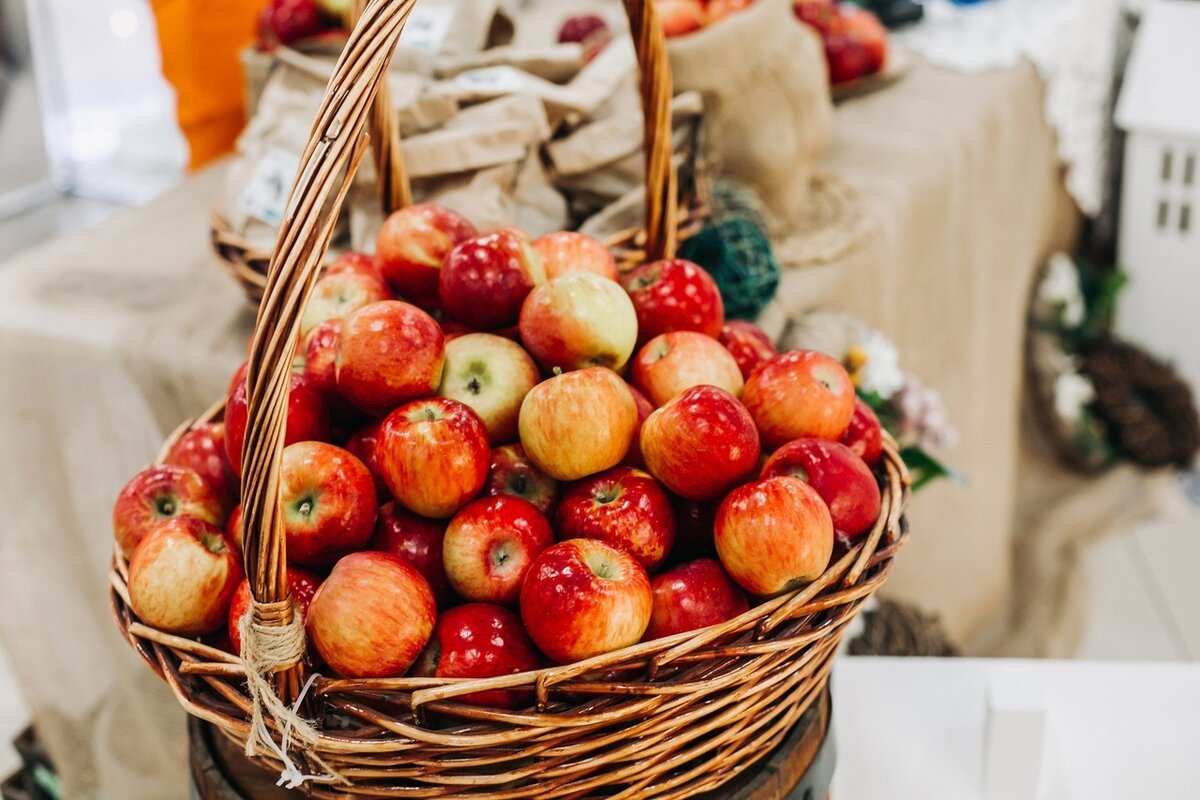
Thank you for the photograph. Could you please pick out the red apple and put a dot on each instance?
(513, 473)
(578, 423)
(182, 577)
(579, 320)
(413, 243)
(372, 616)
(202, 448)
(328, 501)
(287, 21)
(866, 29)
(361, 445)
(433, 455)
(391, 352)
(748, 343)
(720, 9)
(480, 640)
(307, 416)
(489, 546)
(583, 598)
(336, 296)
(233, 530)
(679, 17)
(566, 251)
(820, 14)
(634, 457)
(623, 507)
(674, 295)
(864, 435)
(491, 375)
(484, 280)
(800, 393)
(701, 443)
(320, 360)
(672, 362)
(418, 541)
(580, 28)
(301, 584)
(354, 261)
(844, 482)
(161, 493)
(774, 535)
(693, 596)
(847, 57)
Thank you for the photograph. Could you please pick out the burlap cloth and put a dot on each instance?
(110, 337)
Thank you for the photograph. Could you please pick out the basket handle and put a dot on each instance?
(327, 166)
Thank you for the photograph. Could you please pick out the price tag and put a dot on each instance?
(426, 28)
(266, 195)
(502, 79)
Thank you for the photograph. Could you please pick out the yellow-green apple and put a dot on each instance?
(579, 320)
(672, 362)
(578, 423)
(328, 501)
(748, 343)
(679, 17)
(491, 375)
(362, 444)
(623, 507)
(568, 251)
(774, 535)
(302, 585)
(202, 448)
(307, 416)
(842, 479)
(700, 443)
(489, 546)
(480, 640)
(372, 616)
(644, 408)
(800, 393)
(583, 598)
(336, 296)
(411, 246)
(433, 455)
(691, 596)
(161, 493)
(418, 541)
(513, 473)
(674, 295)
(484, 280)
(864, 435)
(390, 352)
(355, 261)
(182, 577)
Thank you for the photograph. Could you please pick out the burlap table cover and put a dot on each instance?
(110, 337)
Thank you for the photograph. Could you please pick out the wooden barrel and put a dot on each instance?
(801, 768)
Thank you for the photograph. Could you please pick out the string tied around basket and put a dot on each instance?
(268, 647)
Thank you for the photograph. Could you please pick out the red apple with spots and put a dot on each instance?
(512, 473)
(748, 343)
(362, 445)
(489, 546)
(302, 585)
(583, 598)
(842, 479)
(623, 507)
(673, 362)
(390, 352)
(864, 435)
(418, 541)
(307, 416)
(774, 535)
(411, 246)
(328, 502)
(567, 251)
(372, 616)
(320, 363)
(161, 493)
(800, 393)
(579, 320)
(491, 375)
(336, 296)
(693, 596)
(674, 295)
(202, 448)
(484, 280)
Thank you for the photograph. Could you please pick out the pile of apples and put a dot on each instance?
(571, 461)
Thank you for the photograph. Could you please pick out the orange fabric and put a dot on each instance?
(201, 42)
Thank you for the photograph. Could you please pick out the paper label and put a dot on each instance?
(266, 195)
(426, 28)
(503, 79)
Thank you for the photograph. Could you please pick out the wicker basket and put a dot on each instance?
(669, 718)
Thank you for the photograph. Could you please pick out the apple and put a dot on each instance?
(583, 598)
(336, 296)
(328, 501)
(679, 17)
(355, 261)
(233, 530)
(842, 479)
(748, 343)
(581, 27)
(202, 448)
(302, 585)
(800, 393)
(701, 443)
(567, 251)
(623, 507)
(491, 375)
(489, 546)
(411, 246)
(644, 408)
(161, 493)
(307, 416)
(774, 535)
(819, 14)
(847, 57)
(674, 295)
(513, 473)
(287, 21)
(320, 361)
(390, 352)
(870, 34)
(372, 616)
(182, 577)
(361, 445)
(693, 528)
(579, 320)
(720, 9)
(672, 362)
(864, 435)
(433, 455)
(480, 640)
(578, 423)
(484, 280)
(693, 596)
(418, 541)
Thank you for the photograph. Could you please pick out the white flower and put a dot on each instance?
(1060, 289)
(881, 373)
(1072, 392)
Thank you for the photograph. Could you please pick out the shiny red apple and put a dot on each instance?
(161, 493)
(337, 295)
(491, 375)
(484, 280)
(623, 507)
(202, 448)
(864, 435)
(513, 473)
(568, 251)
(693, 596)
(800, 393)
(307, 416)
(579, 320)
(748, 343)
(842, 479)
(674, 295)
(362, 444)
(328, 501)
(411, 246)
(302, 585)
(390, 352)
(418, 541)
(673, 362)
(489, 546)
